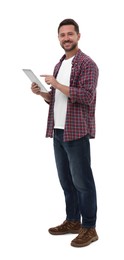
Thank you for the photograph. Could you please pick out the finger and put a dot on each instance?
(33, 84)
(35, 87)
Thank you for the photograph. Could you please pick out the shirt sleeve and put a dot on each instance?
(84, 89)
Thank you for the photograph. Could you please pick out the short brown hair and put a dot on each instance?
(69, 22)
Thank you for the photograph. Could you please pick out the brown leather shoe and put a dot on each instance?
(86, 237)
(65, 228)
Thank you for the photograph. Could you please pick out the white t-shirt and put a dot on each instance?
(60, 105)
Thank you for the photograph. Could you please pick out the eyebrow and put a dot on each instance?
(66, 32)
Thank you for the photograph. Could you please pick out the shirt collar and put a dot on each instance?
(74, 59)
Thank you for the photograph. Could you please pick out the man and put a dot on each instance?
(71, 123)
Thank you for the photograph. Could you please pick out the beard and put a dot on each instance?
(72, 47)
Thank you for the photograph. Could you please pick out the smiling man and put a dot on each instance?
(71, 123)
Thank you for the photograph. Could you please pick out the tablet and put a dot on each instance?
(34, 78)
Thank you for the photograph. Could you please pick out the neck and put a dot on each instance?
(70, 54)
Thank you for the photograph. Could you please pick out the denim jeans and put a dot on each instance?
(76, 178)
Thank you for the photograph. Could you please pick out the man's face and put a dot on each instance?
(68, 37)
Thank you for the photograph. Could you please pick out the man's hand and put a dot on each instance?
(50, 80)
(35, 88)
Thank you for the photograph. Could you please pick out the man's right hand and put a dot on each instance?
(35, 88)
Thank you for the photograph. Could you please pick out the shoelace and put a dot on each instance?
(82, 232)
(67, 224)
(87, 231)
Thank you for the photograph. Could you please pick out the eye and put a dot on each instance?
(62, 35)
(70, 33)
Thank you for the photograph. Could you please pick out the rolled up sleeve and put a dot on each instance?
(84, 89)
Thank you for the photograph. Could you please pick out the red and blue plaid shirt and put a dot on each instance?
(80, 116)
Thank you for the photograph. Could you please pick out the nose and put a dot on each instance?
(66, 38)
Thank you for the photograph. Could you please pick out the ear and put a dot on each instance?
(79, 35)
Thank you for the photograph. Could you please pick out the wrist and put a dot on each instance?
(58, 86)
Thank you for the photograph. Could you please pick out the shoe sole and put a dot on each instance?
(84, 244)
(64, 233)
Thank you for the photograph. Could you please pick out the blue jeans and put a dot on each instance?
(76, 178)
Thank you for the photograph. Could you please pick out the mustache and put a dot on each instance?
(66, 42)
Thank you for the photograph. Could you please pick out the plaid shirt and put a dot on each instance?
(80, 116)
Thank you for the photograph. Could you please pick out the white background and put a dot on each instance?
(31, 199)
